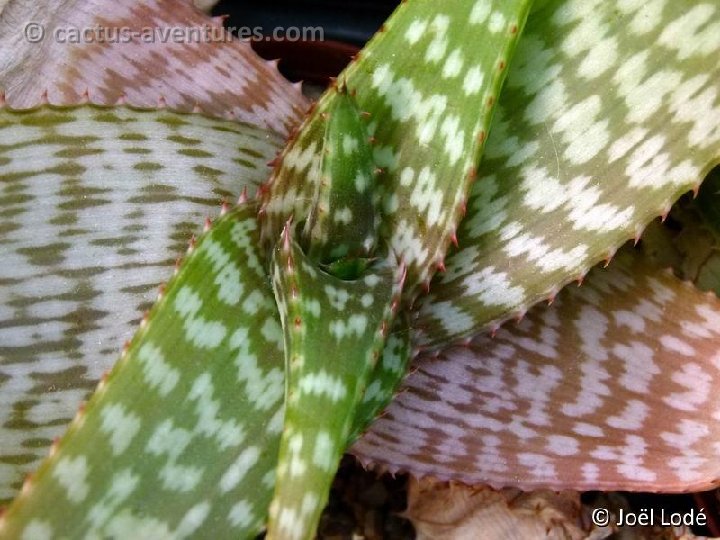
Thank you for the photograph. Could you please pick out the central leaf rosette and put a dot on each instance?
(337, 304)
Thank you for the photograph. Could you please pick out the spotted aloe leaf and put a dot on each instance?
(142, 53)
(335, 332)
(611, 387)
(337, 302)
(181, 437)
(385, 378)
(429, 81)
(386, 371)
(63, 323)
(97, 204)
(343, 220)
(610, 112)
(404, 86)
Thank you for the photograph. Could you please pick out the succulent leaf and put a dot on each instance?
(97, 204)
(611, 387)
(610, 112)
(429, 81)
(343, 220)
(147, 54)
(335, 331)
(385, 378)
(182, 435)
(565, 161)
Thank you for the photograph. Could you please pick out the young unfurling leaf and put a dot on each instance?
(335, 331)
(342, 226)
(337, 307)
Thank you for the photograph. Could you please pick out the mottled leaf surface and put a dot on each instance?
(334, 332)
(611, 111)
(344, 218)
(429, 80)
(611, 387)
(181, 439)
(96, 205)
(144, 53)
(385, 378)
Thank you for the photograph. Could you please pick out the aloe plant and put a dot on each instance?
(194, 408)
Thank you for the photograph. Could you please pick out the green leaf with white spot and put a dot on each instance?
(96, 204)
(334, 331)
(610, 112)
(181, 439)
(385, 378)
(343, 220)
(429, 81)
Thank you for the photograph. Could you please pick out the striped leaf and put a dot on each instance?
(610, 112)
(334, 332)
(96, 205)
(142, 53)
(611, 388)
(181, 438)
(429, 81)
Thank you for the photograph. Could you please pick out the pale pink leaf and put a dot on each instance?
(147, 54)
(613, 387)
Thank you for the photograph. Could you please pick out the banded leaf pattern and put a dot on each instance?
(610, 112)
(145, 54)
(611, 387)
(96, 205)
(430, 110)
(182, 435)
(334, 332)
